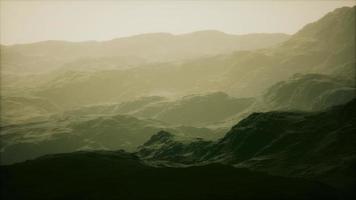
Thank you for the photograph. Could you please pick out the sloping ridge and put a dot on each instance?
(308, 92)
(317, 145)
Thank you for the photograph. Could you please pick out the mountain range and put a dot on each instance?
(129, 51)
(315, 145)
(204, 115)
(240, 74)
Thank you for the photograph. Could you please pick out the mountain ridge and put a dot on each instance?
(304, 144)
(207, 31)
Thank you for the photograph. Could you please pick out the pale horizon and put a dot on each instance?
(74, 21)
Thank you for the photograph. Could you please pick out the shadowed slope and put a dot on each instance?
(118, 175)
(319, 145)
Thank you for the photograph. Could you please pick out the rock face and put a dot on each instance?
(165, 146)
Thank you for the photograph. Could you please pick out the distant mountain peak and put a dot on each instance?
(334, 26)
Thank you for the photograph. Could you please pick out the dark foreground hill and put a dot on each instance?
(119, 175)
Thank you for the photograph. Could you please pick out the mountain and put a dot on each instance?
(240, 74)
(124, 85)
(119, 175)
(32, 127)
(165, 147)
(20, 109)
(197, 109)
(128, 51)
(188, 111)
(73, 131)
(308, 92)
(322, 48)
(314, 49)
(294, 144)
(308, 145)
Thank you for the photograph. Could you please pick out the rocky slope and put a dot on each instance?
(308, 92)
(317, 145)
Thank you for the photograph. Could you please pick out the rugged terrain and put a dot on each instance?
(204, 115)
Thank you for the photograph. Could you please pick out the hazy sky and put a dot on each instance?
(31, 21)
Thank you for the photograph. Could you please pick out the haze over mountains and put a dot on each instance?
(171, 101)
(129, 51)
(240, 74)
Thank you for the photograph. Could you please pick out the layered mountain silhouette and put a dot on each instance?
(128, 51)
(188, 110)
(313, 146)
(169, 102)
(239, 74)
(78, 131)
(309, 92)
(115, 126)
